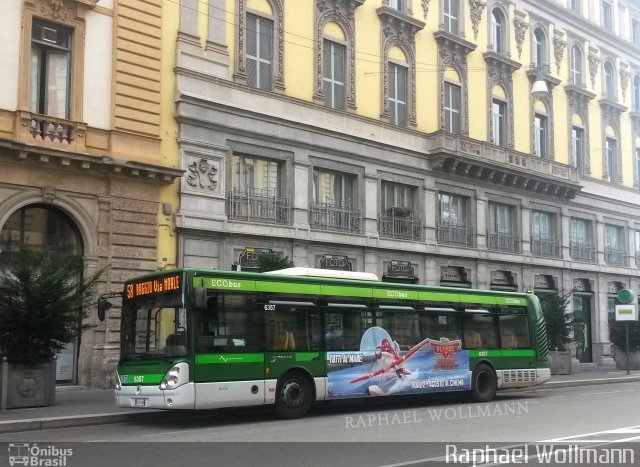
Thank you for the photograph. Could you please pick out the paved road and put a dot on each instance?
(410, 431)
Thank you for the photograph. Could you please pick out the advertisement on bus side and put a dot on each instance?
(383, 367)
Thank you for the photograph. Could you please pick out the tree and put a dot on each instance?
(618, 335)
(273, 262)
(44, 299)
(559, 322)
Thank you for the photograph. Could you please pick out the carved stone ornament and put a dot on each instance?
(559, 45)
(425, 7)
(202, 175)
(342, 13)
(625, 74)
(475, 8)
(594, 63)
(48, 194)
(60, 10)
(520, 27)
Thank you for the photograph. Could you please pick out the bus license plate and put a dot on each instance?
(140, 402)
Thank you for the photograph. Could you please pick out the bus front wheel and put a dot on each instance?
(483, 383)
(293, 395)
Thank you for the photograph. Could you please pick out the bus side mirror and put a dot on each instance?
(200, 298)
(103, 306)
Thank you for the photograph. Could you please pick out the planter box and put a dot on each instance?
(27, 386)
(561, 362)
(621, 360)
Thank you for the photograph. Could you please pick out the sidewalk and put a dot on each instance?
(77, 407)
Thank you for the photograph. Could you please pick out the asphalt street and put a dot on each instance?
(412, 431)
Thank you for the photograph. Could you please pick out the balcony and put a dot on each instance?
(582, 251)
(259, 206)
(334, 215)
(400, 224)
(545, 247)
(501, 241)
(455, 233)
(615, 257)
(36, 129)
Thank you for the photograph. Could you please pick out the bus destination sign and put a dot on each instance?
(153, 286)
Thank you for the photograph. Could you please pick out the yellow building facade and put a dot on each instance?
(404, 138)
(81, 163)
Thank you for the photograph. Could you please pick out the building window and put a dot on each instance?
(614, 244)
(50, 70)
(502, 231)
(581, 240)
(398, 94)
(452, 94)
(637, 245)
(259, 56)
(609, 82)
(577, 148)
(637, 167)
(635, 31)
(333, 74)
(576, 66)
(636, 93)
(334, 204)
(544, 237)
(256, 186)
(575, 6)
(539, 47)
(451, 15)
(611, 156)
(607, 16)
(397, 4)
(454, 227)
(498, 31)
(499, 122)
(398, 217)
(540, 131)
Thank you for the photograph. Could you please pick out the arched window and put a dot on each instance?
(334, 72)
(636, 93)
(576, 66)
(41, 228)
(539, 47)
(498, 31)
(609, 81)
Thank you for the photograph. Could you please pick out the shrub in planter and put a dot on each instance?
(559, 327)
(44, 299)
(617, 334)
(273, 262)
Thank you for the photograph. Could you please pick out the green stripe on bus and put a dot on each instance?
(307, 356)
(473, 353)
(229, 358)
(345, 291)
(303, 289)
(438, 297)
(472, 298)
(147, 378)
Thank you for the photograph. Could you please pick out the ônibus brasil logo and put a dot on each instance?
(34, 455)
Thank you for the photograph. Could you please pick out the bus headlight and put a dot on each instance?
(176, 376)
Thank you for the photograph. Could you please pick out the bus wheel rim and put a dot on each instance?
(292, 394)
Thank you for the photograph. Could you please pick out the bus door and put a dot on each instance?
(293, 336)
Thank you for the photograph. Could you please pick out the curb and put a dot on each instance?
(106, 418)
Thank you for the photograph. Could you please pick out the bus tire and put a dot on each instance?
(483, 383)
(293, 395)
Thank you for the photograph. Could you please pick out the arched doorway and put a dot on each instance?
(45, 228)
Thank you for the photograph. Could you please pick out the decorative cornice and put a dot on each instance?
(520, 27)
(401, 20)
(594, 62)
(475, 9)
(611, 110)
(453, 44)
(578, 92)
(501, 63)
(559, 46)
(550, 80)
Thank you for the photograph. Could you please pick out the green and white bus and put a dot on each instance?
(203, 339)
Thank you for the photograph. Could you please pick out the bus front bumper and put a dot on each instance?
(152, 397)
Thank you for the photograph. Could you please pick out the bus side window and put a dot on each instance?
(345, 324)
(292, 327)
(438, 325)
(514, 331)
(480, 331)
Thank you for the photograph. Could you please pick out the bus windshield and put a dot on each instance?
(153, 332)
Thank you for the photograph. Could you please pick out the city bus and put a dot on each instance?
(204, 339)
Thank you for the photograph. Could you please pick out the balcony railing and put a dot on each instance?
(35, 128)
(259, 206)
(402, 227)
(455, 233)
(334, 215)
(614, 256)
(582, 251)
(498, 241)
(545, 247)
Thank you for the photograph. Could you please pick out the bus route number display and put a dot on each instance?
(153, 286)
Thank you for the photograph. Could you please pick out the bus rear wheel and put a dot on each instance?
(293, 395)
(483, 383)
